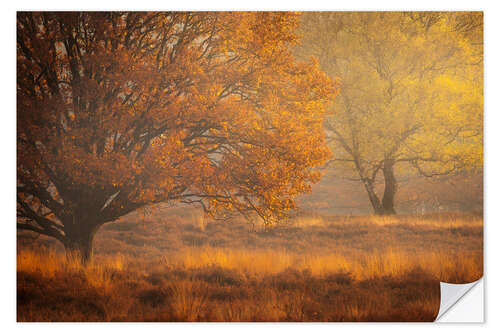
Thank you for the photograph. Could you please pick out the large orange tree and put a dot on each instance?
(117, 111)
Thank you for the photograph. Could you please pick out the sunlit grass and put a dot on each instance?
(308, 221)
(435, 220)
(391, 262)
(346, 268)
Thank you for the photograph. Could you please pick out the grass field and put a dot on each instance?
(174, 265)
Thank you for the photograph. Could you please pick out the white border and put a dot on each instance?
(310, 5)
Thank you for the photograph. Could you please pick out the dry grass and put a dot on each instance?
(308, 221)
(439, 221)
(389, 262)
(176, 268)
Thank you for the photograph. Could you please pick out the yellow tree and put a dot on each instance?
(410, 94)
(117, 111)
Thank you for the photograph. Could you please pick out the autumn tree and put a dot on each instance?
(117, 111)
(410, 97)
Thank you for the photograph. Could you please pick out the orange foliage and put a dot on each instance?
(120, 110)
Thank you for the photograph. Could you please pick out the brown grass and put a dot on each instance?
(172, 267)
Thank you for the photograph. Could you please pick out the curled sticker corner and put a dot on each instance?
(451, 293)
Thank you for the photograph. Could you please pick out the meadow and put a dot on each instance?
(176, 265)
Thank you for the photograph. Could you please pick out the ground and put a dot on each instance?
(174, 265)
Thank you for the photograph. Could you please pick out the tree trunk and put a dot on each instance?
(374, 200)
(386, 206)
(80, 241)
(390, 188)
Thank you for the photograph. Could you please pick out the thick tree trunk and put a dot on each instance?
(80, 241)
(386, 206)
(374, 200)
(390, 188)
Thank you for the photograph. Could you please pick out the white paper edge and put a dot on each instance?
(461, 303)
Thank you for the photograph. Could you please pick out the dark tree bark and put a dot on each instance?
(372, 195)
(79, 240)
(390, 188)
(386, 205)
